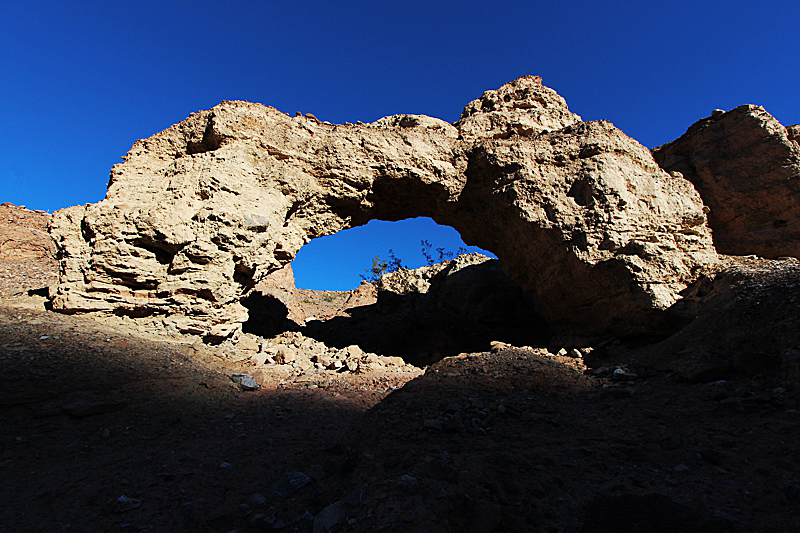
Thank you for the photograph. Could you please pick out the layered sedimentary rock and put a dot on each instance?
(746, 167)
(579, 214)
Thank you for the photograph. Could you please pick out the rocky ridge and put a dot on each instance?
(421, 315)
(579, 214)
(425, 314)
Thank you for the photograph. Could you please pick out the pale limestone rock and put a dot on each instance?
(351, 352)
(521, 107)
(585, 220)
(578, 213)
(280, 285)
(746, 167)
(285, 355)
(247, 342)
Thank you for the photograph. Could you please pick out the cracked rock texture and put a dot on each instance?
(746, 167)
(579, 214)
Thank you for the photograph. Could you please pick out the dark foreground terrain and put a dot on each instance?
(107, 429)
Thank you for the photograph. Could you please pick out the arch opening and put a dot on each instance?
(337, 262)
(440, 304)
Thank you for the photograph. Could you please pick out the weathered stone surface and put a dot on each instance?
(585, 212)
(521, 107)
(279, 284)
(273, 305)
(746, 167)
(581, 216)
(295, 349)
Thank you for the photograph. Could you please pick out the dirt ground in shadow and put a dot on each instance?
(107, 429)
(92, 414)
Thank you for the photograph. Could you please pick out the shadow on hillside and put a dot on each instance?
(105, 431)
(423, 334)
(473, 444)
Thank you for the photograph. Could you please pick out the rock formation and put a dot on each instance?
(27, 253)
(746, 167)
(579, 214)
(272, 305)
(522, 107)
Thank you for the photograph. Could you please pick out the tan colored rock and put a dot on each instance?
(273, 305)
(521, 107)
(746, 167)
(578, 213)
(285, 355)
(27, 252)
(247, 343)
(351, 352)
(585, 212)
(393, 361)
(23, 234)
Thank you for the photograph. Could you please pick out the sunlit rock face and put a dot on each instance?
(579, 214)
(746, 166)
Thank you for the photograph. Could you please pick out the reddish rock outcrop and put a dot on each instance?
(27, 253)
(579, 214)
(746, 167)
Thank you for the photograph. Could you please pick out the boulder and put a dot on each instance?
(579, 214)
(746, 167)
(584, 220)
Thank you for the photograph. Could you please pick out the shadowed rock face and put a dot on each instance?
(579, 214)
(746, 166)
(422, 315)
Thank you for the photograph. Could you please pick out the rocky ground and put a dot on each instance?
(105, 428)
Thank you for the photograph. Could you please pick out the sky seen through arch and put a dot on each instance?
(336, 262)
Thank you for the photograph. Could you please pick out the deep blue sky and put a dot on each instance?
(81, 81)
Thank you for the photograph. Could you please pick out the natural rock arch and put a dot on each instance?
(579, 214)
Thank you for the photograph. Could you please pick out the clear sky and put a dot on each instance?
(81, 81)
